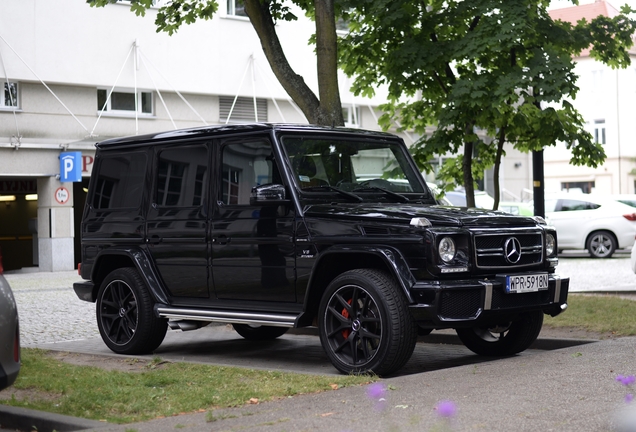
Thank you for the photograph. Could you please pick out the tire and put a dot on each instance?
(125, 315)
(505, 339)
(252, 332)
(601, 244)
(365, 325)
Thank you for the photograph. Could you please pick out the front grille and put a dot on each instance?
(490, 254)
(460, 304)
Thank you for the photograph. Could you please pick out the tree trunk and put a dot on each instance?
(327, 62)
(500, 144)
(467, 167)
(327, 110)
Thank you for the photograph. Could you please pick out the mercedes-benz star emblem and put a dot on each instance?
(512, 250)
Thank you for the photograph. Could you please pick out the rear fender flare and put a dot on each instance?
(139, 260)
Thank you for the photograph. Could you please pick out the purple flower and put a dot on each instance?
(626, 380)
(376, 391)
(446, 409)
(629, 397)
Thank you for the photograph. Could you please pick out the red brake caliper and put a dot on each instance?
(345, 313)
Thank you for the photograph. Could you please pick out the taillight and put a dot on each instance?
(79, 269)
(630, 217)
(16, 345)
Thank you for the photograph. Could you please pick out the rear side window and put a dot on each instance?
(120, 181)
(182, 176)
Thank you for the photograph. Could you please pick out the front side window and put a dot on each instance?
(120, 181)
(124, 102)
(182, 176)
(10, 95)
(236, 8)
(246, 164)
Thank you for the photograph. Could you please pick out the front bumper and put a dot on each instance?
(465, 303)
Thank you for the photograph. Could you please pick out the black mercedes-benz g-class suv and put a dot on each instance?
(270, 227)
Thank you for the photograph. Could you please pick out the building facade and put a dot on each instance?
(607, 102)
(74, 75)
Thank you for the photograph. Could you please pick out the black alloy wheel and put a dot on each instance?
(125, 315)
(365, 325)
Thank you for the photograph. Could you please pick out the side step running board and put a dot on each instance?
(232, 317)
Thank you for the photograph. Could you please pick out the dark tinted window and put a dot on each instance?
(571, 205)
(246, 164)
(182, 176)
(120, 181)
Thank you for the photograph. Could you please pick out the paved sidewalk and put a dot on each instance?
(572, 389)
(558, 385)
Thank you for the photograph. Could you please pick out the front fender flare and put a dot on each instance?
(392, 257)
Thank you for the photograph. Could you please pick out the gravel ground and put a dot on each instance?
(51, 312)
(48, 308)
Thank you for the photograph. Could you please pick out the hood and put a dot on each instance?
(403, 213)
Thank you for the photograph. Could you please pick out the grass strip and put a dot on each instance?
(174, 388)
(598, 313)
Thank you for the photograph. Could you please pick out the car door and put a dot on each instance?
(177, 222)
(571, 217)
(252, 246)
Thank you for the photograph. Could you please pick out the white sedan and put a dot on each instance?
(597, 224)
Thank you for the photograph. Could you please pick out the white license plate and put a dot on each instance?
(522, 283)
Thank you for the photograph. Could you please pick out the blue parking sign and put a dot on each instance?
(71, 167)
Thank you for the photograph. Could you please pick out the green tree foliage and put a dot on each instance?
(324, 108)
(483, 72)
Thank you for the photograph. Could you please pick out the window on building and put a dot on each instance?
(236, 8)
(242, 110)
(10, 95)
(155, 3)
(125, 102)
(351, 115)
(599, 131)
(584, 187)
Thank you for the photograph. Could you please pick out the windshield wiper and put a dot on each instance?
(335, 189)
(399, 197)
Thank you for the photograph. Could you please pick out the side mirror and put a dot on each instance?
(268, 194)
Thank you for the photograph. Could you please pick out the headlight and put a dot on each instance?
(446, 249)
(550, 244)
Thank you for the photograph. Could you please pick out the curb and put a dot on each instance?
(22, 419)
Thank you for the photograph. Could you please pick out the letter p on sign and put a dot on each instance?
(71, 167)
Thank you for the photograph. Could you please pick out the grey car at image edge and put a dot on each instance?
(9, 336)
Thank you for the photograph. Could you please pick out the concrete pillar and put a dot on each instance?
(56, 228)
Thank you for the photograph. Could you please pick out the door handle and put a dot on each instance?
(221, 240)
(154, 240)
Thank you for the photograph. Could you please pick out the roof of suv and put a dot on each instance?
(229, 129)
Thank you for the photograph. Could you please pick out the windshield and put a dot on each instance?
(351, 165)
